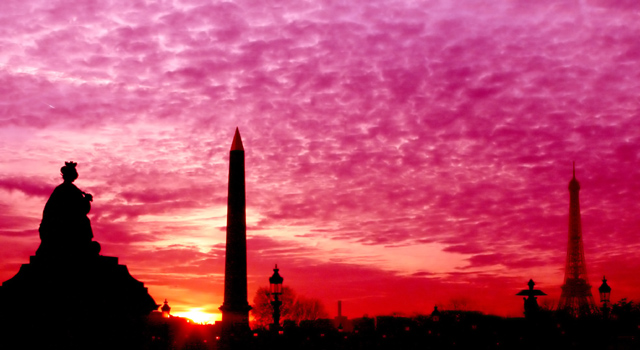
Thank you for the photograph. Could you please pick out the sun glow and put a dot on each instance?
(199, 316)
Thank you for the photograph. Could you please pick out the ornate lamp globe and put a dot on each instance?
(605, 291)
(275, 282)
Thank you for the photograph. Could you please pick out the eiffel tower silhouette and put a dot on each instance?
(576, 297)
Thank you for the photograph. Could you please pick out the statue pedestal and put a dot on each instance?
(88, 302)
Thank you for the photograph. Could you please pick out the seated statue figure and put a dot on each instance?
(65, 229)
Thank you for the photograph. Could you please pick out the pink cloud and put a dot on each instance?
(31, 187)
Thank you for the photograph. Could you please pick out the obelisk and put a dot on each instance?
(235, 309)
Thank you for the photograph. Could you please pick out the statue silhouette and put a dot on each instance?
(98, 304)
(65, 228)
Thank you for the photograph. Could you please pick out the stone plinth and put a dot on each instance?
(89, 302)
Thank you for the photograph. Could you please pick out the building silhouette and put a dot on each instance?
(576, 297)
(341, 322)
(235, 308)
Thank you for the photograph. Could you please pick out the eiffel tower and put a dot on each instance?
(576, 297)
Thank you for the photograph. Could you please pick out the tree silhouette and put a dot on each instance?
(308, 309)
(626, 310)
(460, 304)
(294, 308)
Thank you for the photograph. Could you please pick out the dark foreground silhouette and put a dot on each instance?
(65, 230)
(451, 330)
(68, 296)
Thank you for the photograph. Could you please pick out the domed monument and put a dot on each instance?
(68, 295)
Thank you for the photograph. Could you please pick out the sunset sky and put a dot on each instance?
(399, 154)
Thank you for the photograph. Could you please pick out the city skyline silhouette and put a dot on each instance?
(414, 153)
(105, 307)
(66, 235)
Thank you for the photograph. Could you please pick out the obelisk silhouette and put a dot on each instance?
(235, 309)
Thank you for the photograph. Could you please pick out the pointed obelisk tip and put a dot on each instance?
(236, 145)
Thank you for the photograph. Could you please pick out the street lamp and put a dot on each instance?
(605, 295)
(275, 282)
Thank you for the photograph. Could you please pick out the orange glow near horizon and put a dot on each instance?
(199, 316)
